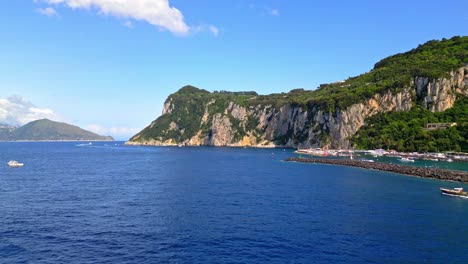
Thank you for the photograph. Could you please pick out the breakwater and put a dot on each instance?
(432, 173)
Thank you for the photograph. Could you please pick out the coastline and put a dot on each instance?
(163, 144)
(432, 173)
(78, 140)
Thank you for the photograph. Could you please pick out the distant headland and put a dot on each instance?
(48, 130)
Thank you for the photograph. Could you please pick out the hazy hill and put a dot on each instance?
(45, 129)
(6, 132)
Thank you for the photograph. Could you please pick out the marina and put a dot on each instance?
(402, 156)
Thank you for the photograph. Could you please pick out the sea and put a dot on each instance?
(103, 202)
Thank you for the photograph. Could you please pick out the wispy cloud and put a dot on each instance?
(128, 24)
(158, 13)
(215, 31)
(47, 11)
(17, 111)
(122, 133)
(264, 10)
(274, 12)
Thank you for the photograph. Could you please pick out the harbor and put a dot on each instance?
(433, 173)
(447, 156)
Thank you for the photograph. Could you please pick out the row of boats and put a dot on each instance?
(458, 192)
(349, 153)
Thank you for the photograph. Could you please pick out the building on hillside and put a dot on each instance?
(433, 126)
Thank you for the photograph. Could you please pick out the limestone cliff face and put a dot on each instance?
(440, 95)
(295, 126)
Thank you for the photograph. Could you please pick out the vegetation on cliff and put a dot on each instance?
(189, 104)
(434, 59)
(192, 110)
(405, 131)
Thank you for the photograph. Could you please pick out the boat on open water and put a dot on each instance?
(15, 164)
(454, 192)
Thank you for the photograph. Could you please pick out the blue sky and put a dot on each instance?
(109, 68)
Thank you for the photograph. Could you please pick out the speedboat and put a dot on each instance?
(406, 159)
(15, 164)
(368, 160)
(454, 192)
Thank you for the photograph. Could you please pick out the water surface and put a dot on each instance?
(106, 203)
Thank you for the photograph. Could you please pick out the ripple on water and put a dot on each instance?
(117, 204)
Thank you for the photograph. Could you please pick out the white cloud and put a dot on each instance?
(158, 13)
(116, 132)
(47, 11)
(17, 111)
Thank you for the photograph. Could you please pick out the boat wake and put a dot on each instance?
(461, 196)
(84, 144)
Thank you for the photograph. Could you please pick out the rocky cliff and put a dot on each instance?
(299, 118)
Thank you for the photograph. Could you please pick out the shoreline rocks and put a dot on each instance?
(439, 174)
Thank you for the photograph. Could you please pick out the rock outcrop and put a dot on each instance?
(441, 94)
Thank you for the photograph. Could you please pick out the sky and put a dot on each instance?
(109, 65)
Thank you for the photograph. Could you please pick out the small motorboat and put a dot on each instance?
(406, 159)
(15, 164)
(368, 160)
(454, 192)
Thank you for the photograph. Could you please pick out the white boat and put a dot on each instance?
(368, 160)
(455, 192)
(406, 159)
(15, 164)
(312, 152)
(450, 160)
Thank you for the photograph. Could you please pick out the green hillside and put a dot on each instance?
(45, 129)
(434, 59)
(404, 131)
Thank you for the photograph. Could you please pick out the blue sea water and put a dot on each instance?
(106, 203)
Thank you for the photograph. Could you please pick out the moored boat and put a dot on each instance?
(406, 159)
(15, 164)
(454, 192)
